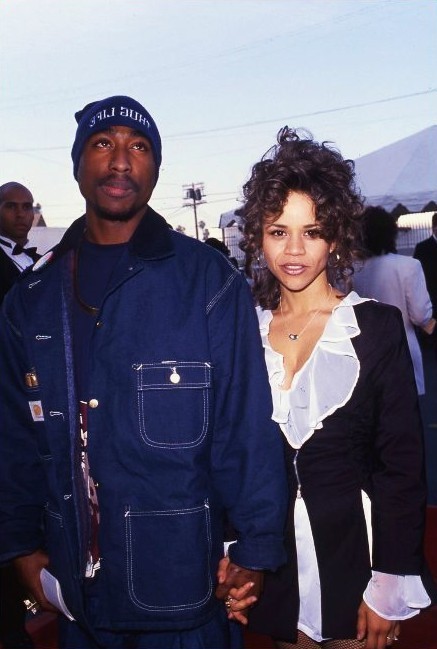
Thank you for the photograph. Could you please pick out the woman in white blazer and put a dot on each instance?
(394, 279)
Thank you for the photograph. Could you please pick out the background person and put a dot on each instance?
(221, 247)
(16, 218)
(394, 279)
(136, 412)
(345, 398)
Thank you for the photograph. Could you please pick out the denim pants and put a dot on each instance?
(218, 633)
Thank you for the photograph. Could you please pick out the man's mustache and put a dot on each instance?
(124, 182)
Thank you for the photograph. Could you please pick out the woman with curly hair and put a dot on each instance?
(344, 397)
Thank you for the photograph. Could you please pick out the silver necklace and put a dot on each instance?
(294, 337)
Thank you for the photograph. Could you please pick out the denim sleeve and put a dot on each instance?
(247, 452)
(22, 480)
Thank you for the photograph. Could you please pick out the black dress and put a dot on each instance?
(373, 444)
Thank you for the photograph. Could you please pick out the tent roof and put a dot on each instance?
(403, 172)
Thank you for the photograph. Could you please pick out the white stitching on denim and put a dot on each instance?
(129, 558)
(53, 514)
(218, 295)
(143, 387)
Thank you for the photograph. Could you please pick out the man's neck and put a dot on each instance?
(105, 232)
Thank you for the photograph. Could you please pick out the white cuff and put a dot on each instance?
(226, 545)
(395, 597)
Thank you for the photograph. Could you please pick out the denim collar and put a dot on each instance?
(151, 240)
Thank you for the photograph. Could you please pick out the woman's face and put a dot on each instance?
(293, 249)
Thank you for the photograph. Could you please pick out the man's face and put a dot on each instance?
(116, 173)
(16, 213)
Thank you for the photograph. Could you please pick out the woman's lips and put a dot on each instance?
(293, 269)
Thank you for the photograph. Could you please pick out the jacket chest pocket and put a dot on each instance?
(173, 402)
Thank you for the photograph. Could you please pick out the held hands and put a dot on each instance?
(239, 588)
(378, 632)
(28, 570)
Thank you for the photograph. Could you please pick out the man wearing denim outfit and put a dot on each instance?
(135, 415)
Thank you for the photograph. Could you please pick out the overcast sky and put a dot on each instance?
(220, 77)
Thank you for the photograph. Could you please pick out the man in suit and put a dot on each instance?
(426, 253)
(16, 217)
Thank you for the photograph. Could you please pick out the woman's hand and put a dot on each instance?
(236, 597)
(378, 632)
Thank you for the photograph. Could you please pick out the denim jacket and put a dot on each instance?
(179, 422)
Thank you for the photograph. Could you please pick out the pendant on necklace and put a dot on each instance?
(293, 336)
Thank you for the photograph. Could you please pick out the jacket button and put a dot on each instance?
(99, 324)
(93, 403)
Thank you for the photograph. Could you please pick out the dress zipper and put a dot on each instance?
(299, 486)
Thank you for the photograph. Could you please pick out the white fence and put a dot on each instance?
(412, 229)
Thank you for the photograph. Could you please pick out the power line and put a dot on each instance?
(326, 111)
(313, 114)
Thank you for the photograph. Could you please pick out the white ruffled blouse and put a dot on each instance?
(311, 399)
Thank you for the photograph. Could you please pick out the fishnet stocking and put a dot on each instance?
(344, 644)
(304, 642)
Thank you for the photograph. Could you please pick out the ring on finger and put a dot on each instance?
(228, 601)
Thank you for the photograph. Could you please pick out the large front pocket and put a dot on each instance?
(173, 402)
(168, 558)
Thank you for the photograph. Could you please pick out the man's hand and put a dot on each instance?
(28, 568)
(378, 632)
(239, 587)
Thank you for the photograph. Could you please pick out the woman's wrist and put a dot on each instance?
(429, 328)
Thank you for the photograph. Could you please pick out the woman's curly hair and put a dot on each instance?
(299, 164)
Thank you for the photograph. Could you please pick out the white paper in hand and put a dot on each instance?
(53, 593)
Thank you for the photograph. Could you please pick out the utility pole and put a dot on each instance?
(193, 196)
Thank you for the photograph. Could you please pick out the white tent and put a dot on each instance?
(403, 172)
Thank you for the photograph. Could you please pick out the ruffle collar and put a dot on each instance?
(324, 383)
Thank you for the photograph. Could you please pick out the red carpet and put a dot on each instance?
(418, 633)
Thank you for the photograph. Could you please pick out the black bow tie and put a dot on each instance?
(17, 250)
(30, 252)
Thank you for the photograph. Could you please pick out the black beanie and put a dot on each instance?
(114, 111)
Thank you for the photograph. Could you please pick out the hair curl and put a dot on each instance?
(299, 164)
